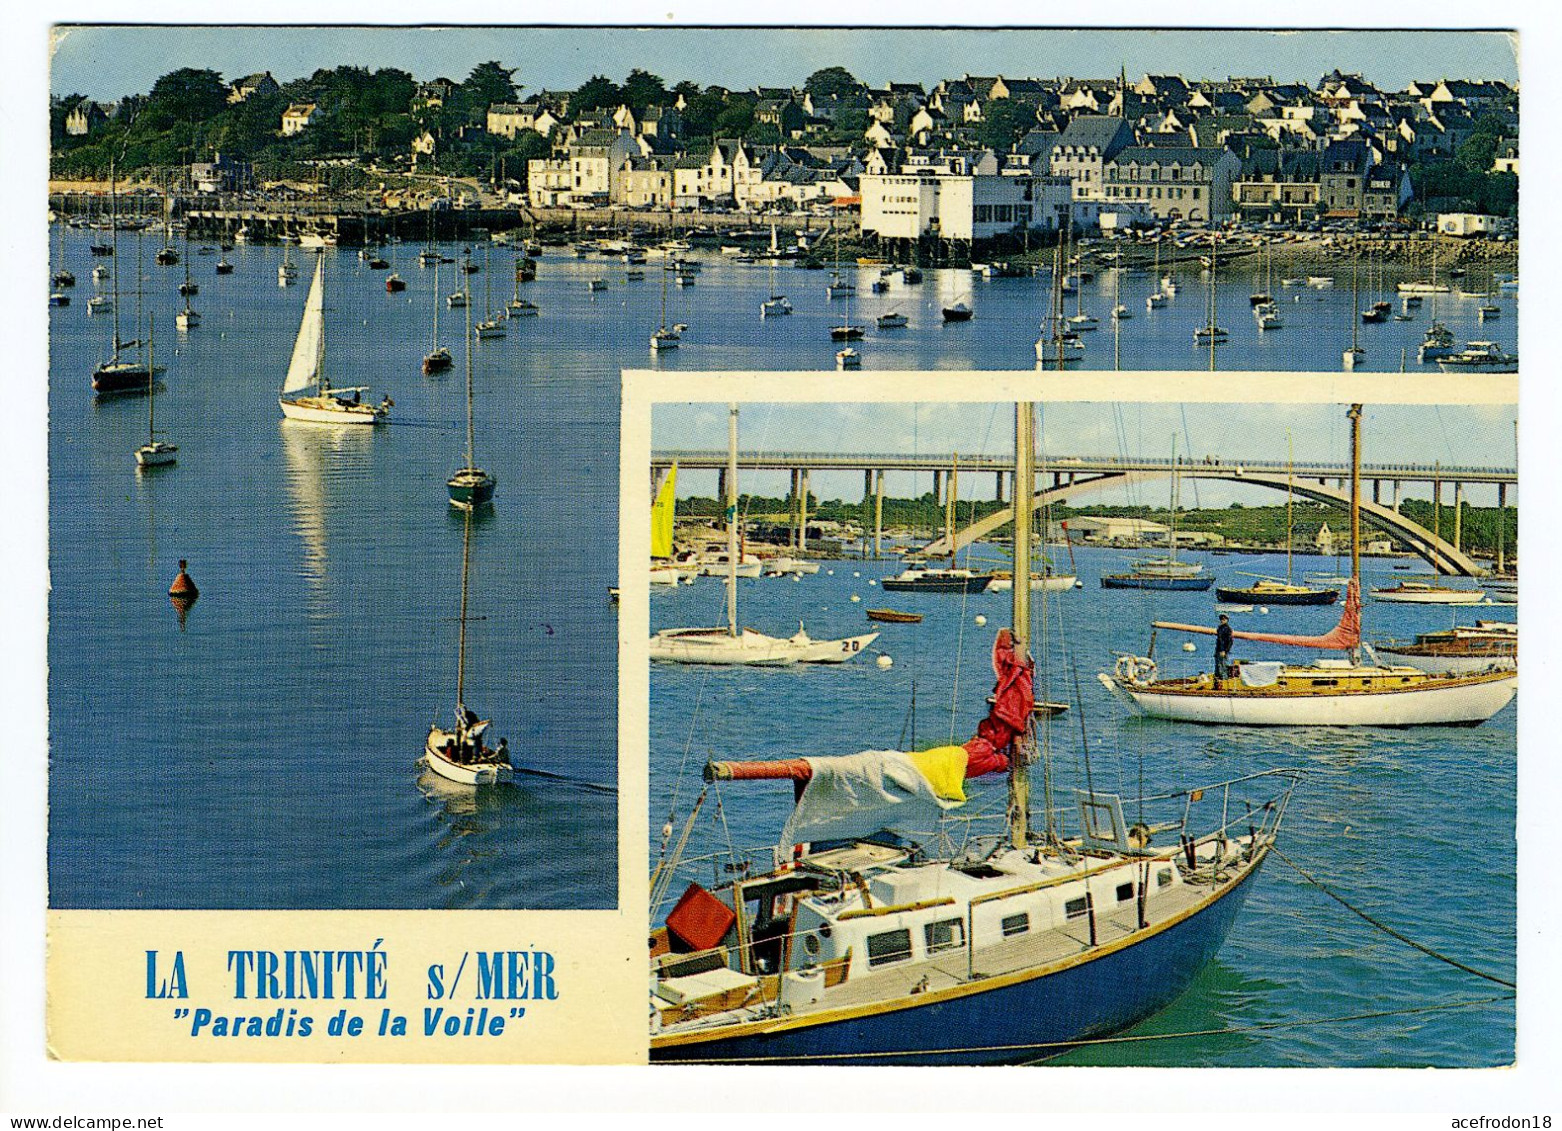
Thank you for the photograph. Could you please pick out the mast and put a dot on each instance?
(466, 558)
(470, 430)
(1288, 500)
(1355, 507)
(732, 520)
(435, 343)
(1174, 485)
(113, 228)
(1024, 486)
(151, 378)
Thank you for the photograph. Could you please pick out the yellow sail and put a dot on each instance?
(662, 516)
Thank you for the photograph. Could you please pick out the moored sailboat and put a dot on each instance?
(1327, 692)
(733, 644)
(471, 488)
(866, 939)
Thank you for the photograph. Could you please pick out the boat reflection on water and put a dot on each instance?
(321, 465)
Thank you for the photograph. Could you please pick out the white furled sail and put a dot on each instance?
(304, 370)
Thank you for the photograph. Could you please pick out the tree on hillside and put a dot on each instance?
(185, 95)
(736, 119)
(832, 80)
(686, 90)
(596, 93)
(489, 83)
(642, 89)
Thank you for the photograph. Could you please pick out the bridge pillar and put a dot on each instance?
(1437, 508)
(796, 477)
(721, 485)
(1502, 528)
(1396, 496)
(1458, 515)
(867, 484)
(998, 487)
(938, 487)
(1057, 480)
(878, 513)
(1376, 485)
(802, 514)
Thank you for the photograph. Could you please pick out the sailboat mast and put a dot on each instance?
(470, 430)
(1024, 487)
(322, 382)
(1174, 485)
(435, 344)
(466, 562)
(151, 376)
(113, 229)
(1355, 505)
(732, 520)
(949, 505)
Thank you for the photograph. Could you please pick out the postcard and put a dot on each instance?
(1078, 475)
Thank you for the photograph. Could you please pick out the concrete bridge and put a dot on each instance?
(1444, 556)
(1073, 476)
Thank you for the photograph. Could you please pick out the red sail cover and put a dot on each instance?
(1013, 698)
(1343, 637)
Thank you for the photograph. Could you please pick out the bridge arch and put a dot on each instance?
(1442, 555)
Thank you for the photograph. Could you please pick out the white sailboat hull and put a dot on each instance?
(326, 410)
(718, 646)
(483, 773)
(1051, 583)
(1431, 597)
(1446, 704)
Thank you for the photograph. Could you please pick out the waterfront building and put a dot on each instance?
(1283, 183)
(1084, 148)
(960, 203)
(1174, 182)
(222, 174)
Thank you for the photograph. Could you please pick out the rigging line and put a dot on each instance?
(1127, 1038)
(1385, 928)
(1187, 438)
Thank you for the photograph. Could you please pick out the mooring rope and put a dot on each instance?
(1385, 928)
(1231, 1030)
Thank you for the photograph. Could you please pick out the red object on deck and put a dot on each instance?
(183, 586)
(700, 920)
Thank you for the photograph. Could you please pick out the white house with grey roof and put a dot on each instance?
(1084, 148)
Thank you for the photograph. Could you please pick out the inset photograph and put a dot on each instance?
(1116, 734)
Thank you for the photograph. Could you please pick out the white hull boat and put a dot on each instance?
(485, 769)
(1392, 698)
(1039, 583)
(1412, 593)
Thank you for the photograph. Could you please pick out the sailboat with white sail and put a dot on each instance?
(307, 392)
(733, 644)
(1326, 692)
(874, 935)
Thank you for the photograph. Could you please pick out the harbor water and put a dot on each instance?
(1413, 826)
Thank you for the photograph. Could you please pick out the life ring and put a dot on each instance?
(1135, 669)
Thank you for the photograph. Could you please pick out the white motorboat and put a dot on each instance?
(1480, 357)
(1424, 593)
(848, 358)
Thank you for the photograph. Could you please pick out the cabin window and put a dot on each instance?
(1016, 924)
(1325, 682)
(946, 934)
(891, 946)
(1163, 878)
(811, 943)
(1125, 892)
(1077, 908)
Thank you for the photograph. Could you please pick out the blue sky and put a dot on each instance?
(107, 62)
(1447, 434)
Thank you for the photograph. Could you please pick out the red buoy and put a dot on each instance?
(183, 586)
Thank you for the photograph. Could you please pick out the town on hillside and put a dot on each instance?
(970, 158)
